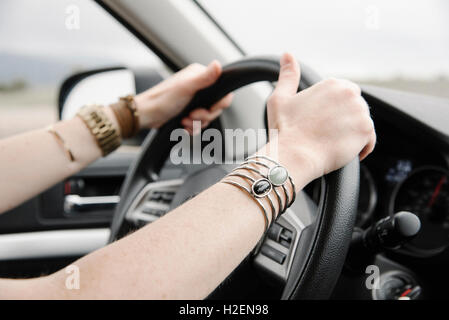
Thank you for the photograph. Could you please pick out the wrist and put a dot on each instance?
(149, 114)
(297, 161)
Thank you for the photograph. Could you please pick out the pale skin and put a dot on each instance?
(191, 250)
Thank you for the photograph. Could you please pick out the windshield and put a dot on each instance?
(401, 44)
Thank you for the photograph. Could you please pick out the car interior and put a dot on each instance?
(390, 211)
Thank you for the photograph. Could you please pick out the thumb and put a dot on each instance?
(289, 76)
(209, 75)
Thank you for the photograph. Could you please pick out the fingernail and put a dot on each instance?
(285, 61)
(213, 68)
(186, 122)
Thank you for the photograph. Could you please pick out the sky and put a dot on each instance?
(346, 38)
(355, 38)
(39, 28)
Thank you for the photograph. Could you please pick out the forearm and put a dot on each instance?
(34, 161)
(185, 254)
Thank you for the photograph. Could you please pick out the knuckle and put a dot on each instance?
(331, 82)
(374, 139)
(367, 126)
(343, 88)
(275, 100)
(350, 91)
(358, 106)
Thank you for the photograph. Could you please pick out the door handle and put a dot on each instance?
(76, 203)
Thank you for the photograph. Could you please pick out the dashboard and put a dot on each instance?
(408, 171)
(405, 175)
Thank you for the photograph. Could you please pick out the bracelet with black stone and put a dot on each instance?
(244, 165)
(244, 176)
(278, 176)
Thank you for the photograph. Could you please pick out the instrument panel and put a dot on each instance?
(394, 180)
(425, 192)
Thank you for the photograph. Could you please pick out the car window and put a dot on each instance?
(401, 44)
(44, 42)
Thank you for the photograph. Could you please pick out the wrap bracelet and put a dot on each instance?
(271, 174)
(244, 165)
(263, 184)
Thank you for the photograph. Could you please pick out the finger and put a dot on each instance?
(196, 130)
(215, 111)
(369, 147)
(189, 125)
(205, 124)
(223, 103)
(204, 115)
(189, 130)
(187, 122)
(289, 76)
(365, 105)
(209, 75)
(351, 85)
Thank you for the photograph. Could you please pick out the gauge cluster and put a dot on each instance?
(425, 192)
(401, 175)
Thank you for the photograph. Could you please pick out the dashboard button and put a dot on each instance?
(274, 232)
(273, 254)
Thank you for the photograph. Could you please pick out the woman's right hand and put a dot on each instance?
(320, 129)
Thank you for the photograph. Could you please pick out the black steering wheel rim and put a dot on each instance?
(320, 257)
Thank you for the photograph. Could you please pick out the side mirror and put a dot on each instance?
(102, 86)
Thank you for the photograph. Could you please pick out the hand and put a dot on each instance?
(167, 99)
(324, 126)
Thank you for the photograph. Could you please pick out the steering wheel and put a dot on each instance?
(310, 241)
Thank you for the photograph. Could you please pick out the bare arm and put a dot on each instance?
(184, 255)
(189, 251)
(34, 161)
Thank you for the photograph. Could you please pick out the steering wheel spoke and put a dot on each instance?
(153, 201)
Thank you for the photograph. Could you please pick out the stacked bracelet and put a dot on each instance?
(271, 176)
(101, 127)
(125, 111)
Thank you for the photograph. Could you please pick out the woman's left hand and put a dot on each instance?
(166, 100)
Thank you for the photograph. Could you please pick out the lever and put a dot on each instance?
(392, 232)
(389, 233)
